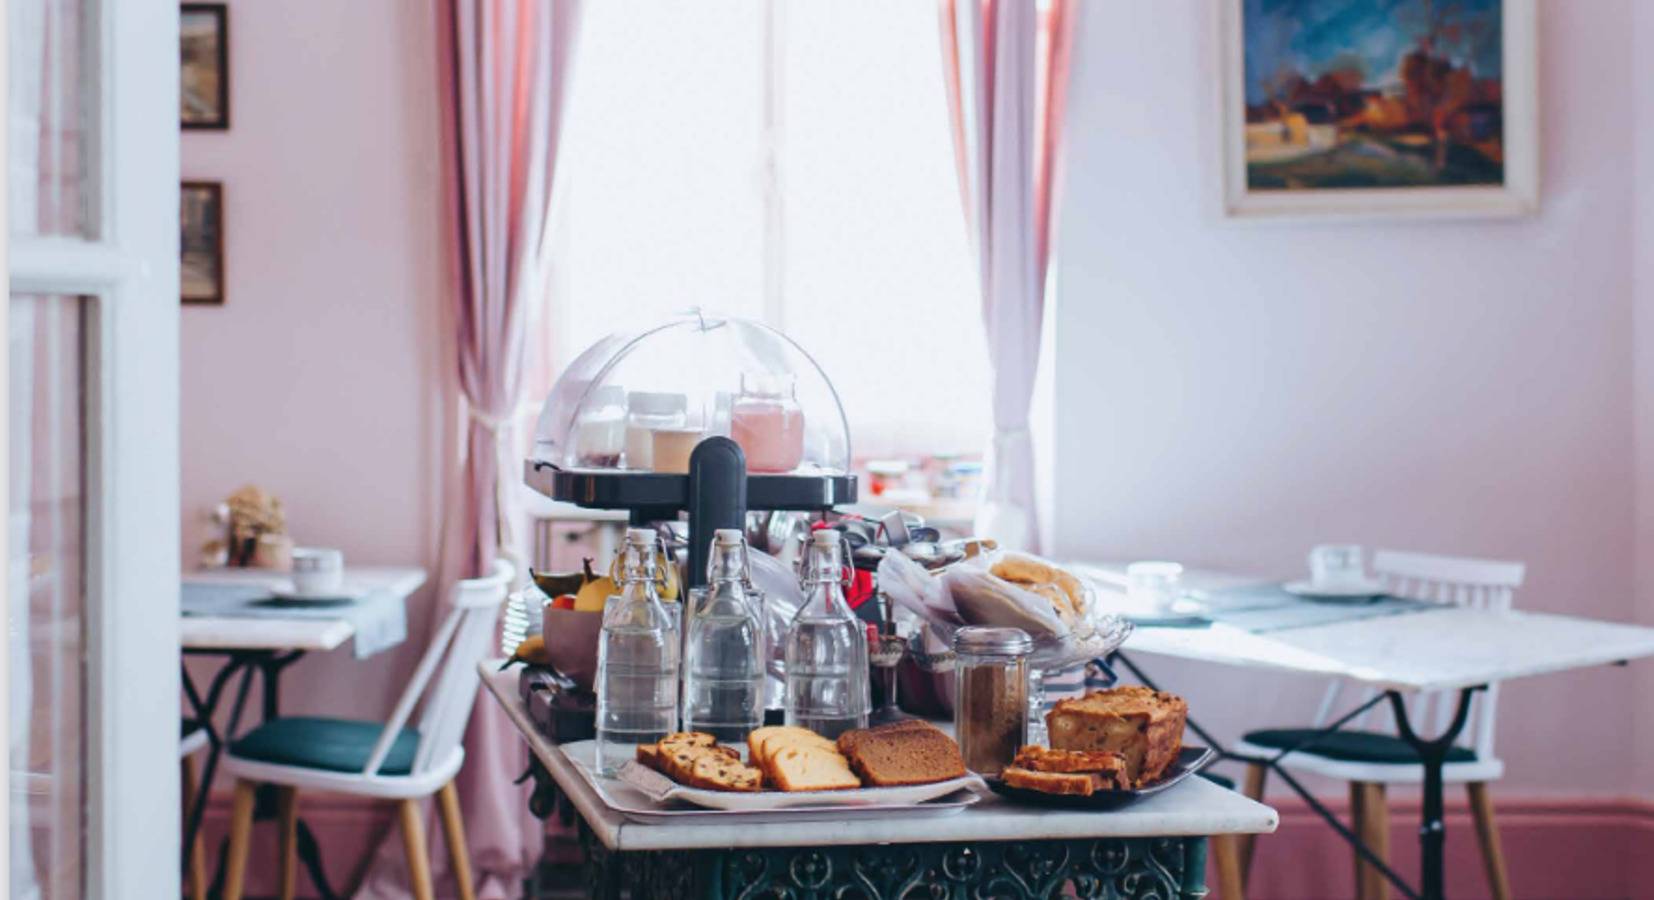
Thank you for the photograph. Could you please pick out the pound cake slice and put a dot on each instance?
(902, 754)
(1040, 759)
(762, 743)
(1142, 725)
(804, 767)
(1079, 784)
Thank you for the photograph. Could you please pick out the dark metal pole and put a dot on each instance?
(1433, 753)
(1274, 765)
(717, 498)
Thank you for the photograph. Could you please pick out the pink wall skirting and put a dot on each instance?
(1557, 848)
(347, 829)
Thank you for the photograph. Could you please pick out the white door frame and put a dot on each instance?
(130, 275)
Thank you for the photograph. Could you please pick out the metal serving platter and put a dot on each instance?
(637, 806)
(1189, 762)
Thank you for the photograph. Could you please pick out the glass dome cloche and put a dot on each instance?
(641, 401)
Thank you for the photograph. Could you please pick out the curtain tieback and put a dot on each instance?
(1005, 437)
(492, 423)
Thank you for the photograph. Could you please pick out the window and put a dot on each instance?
(790, 162)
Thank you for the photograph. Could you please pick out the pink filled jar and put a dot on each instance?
(768, 423)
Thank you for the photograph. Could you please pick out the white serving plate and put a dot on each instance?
(1364, 589)
(667, 801)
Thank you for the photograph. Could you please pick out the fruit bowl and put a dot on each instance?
(571, 643)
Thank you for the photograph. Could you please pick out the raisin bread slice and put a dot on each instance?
(717, 772)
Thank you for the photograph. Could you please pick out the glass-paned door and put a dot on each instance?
(92, 483)
(46, 597)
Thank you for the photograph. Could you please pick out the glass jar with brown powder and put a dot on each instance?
(991, 712)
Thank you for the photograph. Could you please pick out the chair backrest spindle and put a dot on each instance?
(451, 659)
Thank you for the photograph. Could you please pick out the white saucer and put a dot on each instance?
(345, 594)
(1354, 590)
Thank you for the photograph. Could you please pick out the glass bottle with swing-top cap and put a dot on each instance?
(826, 651)
(723, 674)
(637, 659)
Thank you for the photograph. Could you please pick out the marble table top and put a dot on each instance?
(1194, 807)
(233, 633)
(1448, 648)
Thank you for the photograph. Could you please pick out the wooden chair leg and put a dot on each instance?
(1371, 814)
(287, 821)
(188, 779)
(1487, 835)
(241, 833)
(1226, 858)
(453, 830)
(1252, 788)
(413, 841)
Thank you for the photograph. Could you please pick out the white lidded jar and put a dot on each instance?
(637, 659)
(600, 432)
(646, 413)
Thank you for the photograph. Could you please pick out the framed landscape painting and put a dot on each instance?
(1370, 108)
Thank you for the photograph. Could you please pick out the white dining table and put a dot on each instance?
(266, 646)
(1438, 649)
(1444, 649)
(226, 633)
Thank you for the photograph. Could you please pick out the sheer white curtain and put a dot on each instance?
(1006, 68)
(26, 20)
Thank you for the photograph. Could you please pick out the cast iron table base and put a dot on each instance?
(269, 665)
(1165, 868)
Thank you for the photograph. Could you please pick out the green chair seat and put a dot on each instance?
(1350, 746)
(334, 745)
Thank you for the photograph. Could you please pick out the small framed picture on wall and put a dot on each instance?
(201, 243)
(204, 60)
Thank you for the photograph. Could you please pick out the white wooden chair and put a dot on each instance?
(193, 740)
(1370, 760)
(388, 761)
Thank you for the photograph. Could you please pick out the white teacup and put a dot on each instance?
(1156, 585)
(318, 570)
(1336, 565)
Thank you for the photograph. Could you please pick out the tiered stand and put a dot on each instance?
(717, 493)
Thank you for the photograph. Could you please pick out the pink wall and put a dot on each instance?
(1643, 251)
(319, 377)
(1229, 395)
(1477, 403)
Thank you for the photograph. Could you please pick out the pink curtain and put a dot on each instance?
(503, 71)
(1006, 68)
